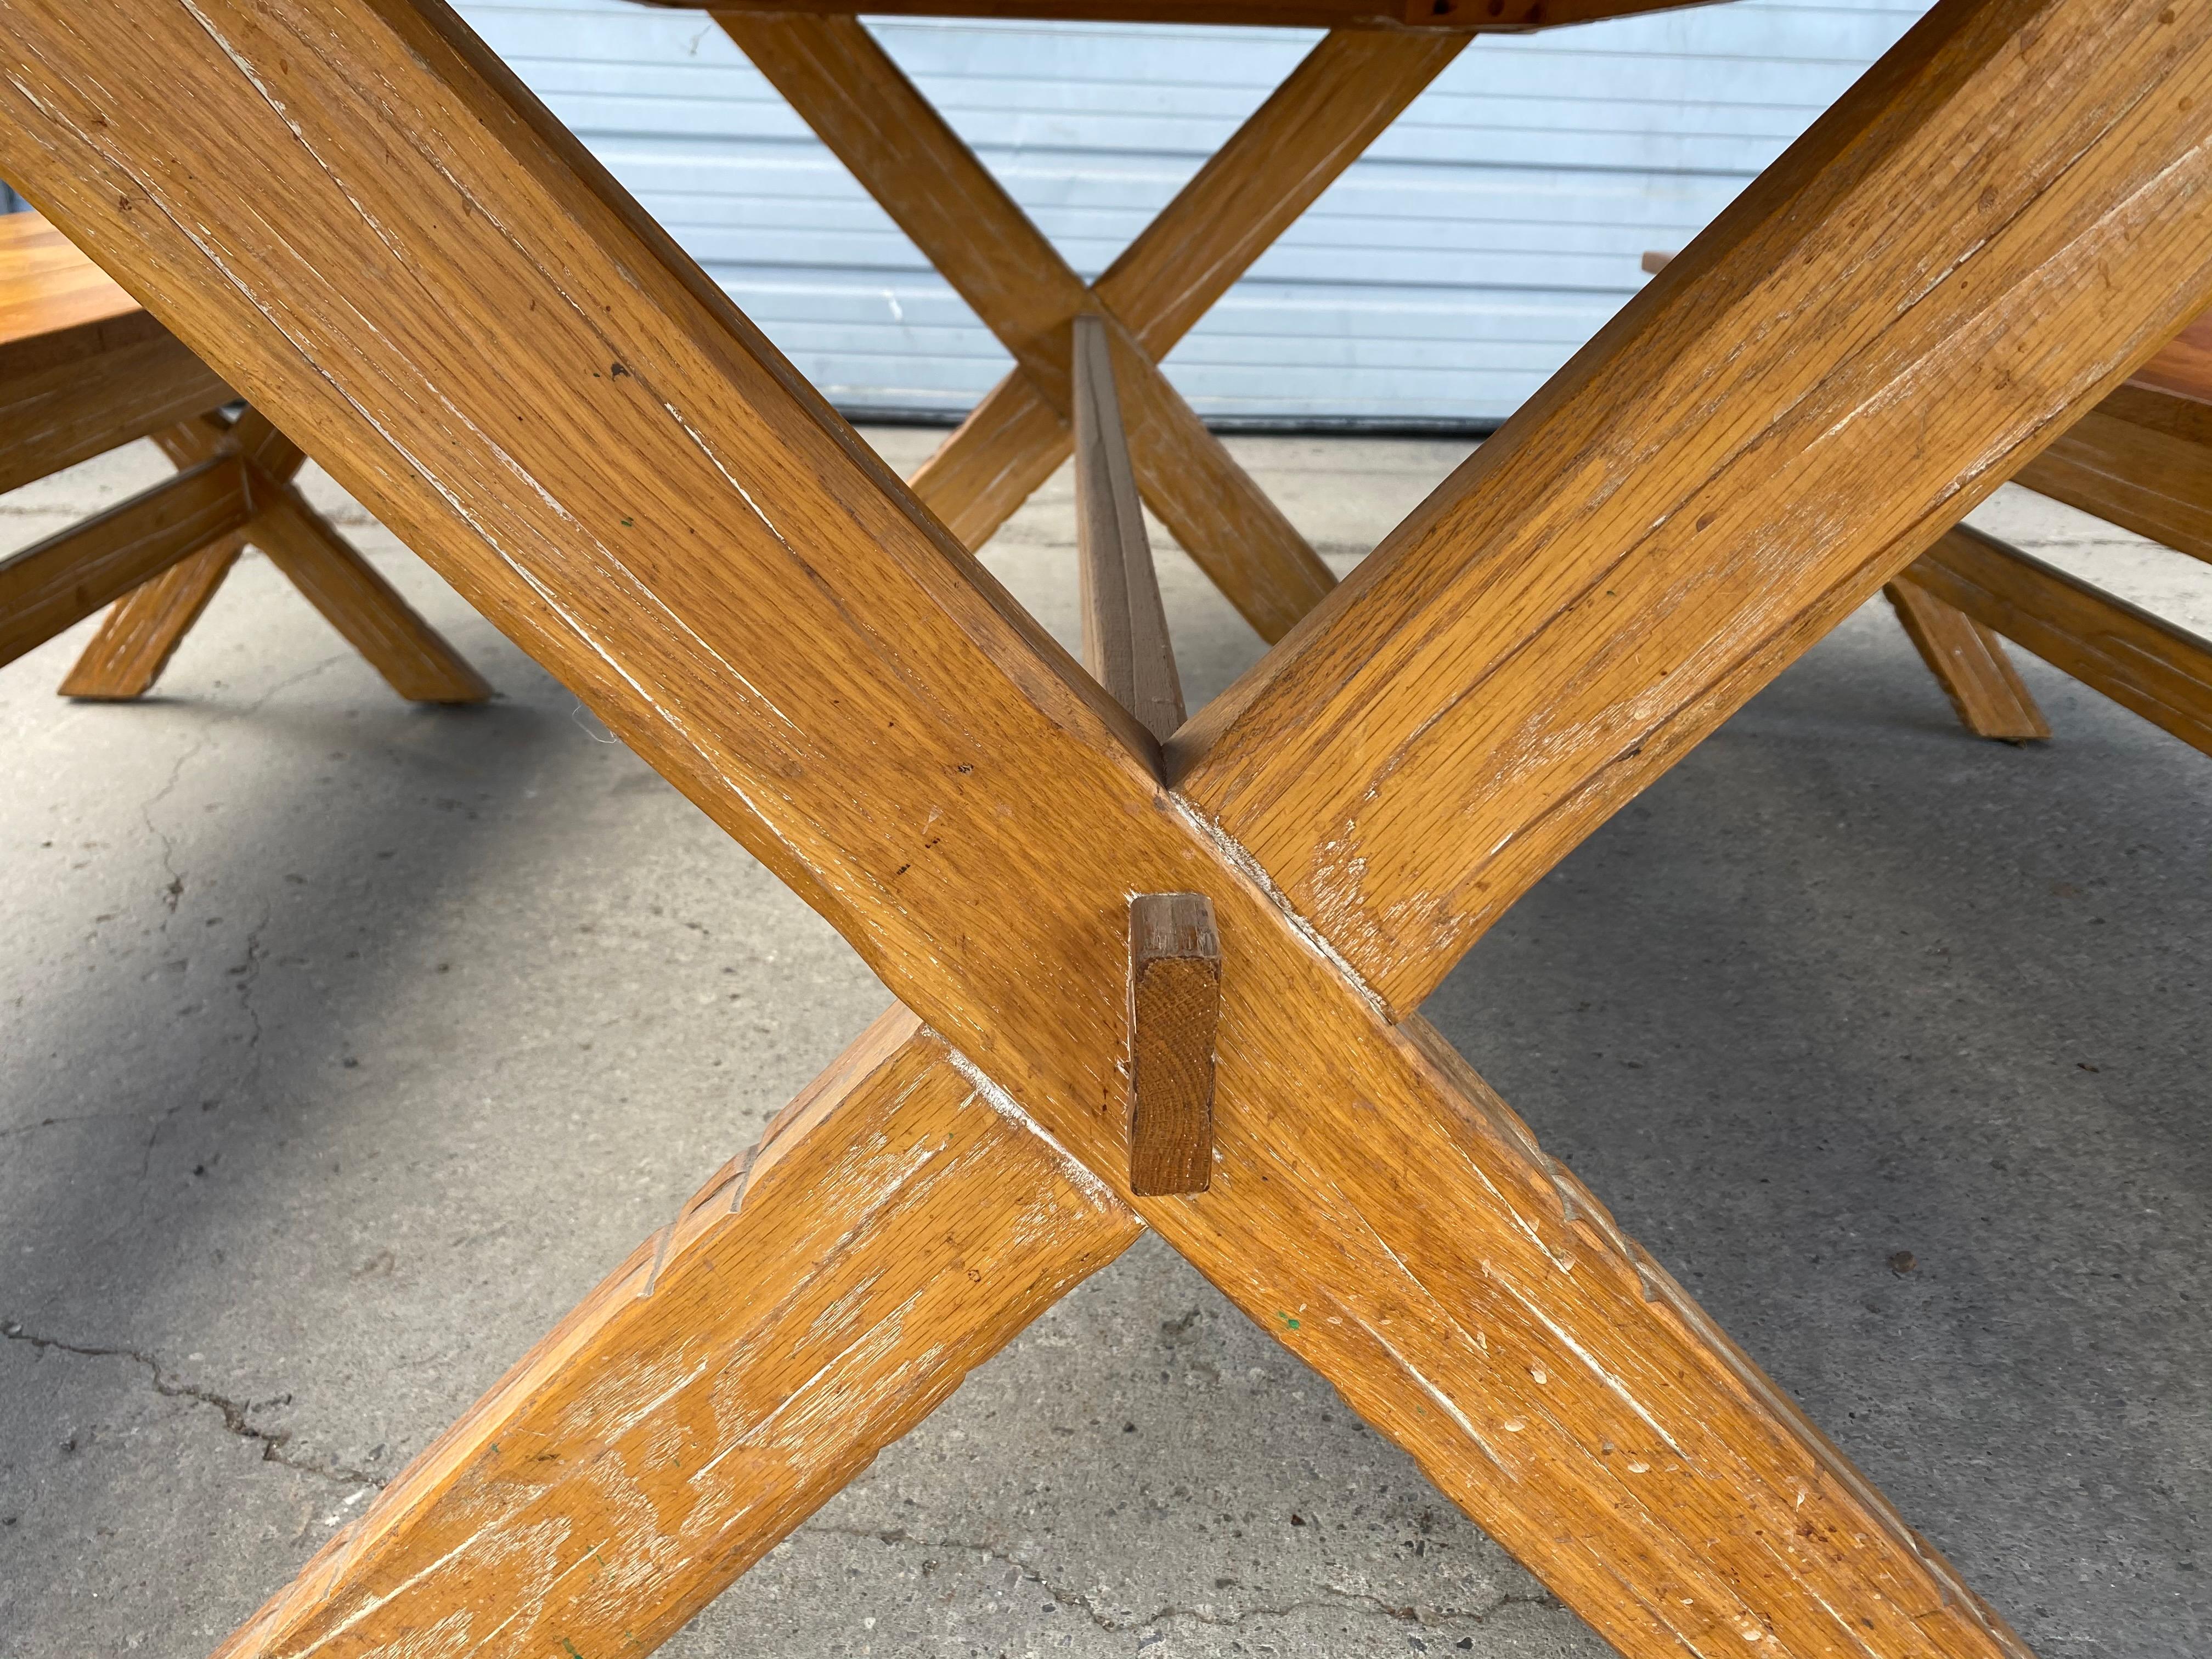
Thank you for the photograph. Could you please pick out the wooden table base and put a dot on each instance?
(496, 351)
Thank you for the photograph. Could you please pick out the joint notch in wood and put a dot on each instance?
(1175, 1005)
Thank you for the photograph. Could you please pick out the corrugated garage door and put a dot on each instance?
(1486, 236)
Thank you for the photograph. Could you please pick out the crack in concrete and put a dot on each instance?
(234, 1411)
(249, 973)
(1359, 1601)
(175, 890)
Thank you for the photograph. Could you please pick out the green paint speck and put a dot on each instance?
(628, 522)
(570, 1648)
(1287, 1320)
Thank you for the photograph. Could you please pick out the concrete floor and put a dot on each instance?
(346, 1044)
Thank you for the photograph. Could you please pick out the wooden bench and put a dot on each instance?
(84, 368)
(2140, 460)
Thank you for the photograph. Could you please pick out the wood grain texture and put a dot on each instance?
(1969, 662)
(57, 306)
(848, 89)
(56, 417)
(1881, 329)
(728, 576)
(139, 635)
(1433, 16)
(2141, 459)
(143, 629)
(1125, 627)
(2141, 661)
(2183, 365)
(58, 583)
(83, 368)
(813, 1301)
(1174, 1011)
(1331, 106)
(355, 599)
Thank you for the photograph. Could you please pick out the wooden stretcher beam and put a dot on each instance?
(135, 640)
(2140, 460)
(143, 629)
(844, 87)
(1333, 105)
(727, 574)
(1125, 627)
(1431, 17)
(1969, 662)
(2141, 661)
(61, 580)
(814, 1301)
(1911, 303)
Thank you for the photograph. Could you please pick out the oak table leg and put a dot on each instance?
(2142, 662)
(144, 628)
(1969, 662)
(135, 640)
(813, 1302)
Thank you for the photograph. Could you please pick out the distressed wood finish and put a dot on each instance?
(1969, 662)
(143, 629)
(1912, 306)
(2141, 459)
(1125, 627)
(58, 583)
(1434, 16)
(55, 417)
(813, 1301)
(2142, 662)
(725, 574)
(1174, 1011)
(844, 87)
(1339, 99)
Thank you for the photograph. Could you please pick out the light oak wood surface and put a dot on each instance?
(143, 629)
(83, 368)
(58, 583)
(1910, 312)
(1969, 662)
(2141, 661)
(1125, 626)
(2141, 459)
(813, 1301)
(1175, 1013)
(355, 600)
(639, 490)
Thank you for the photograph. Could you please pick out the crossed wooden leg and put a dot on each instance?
(1352, 86)
(134, 644)
(1895, 316)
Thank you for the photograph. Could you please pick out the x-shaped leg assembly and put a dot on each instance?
(353, 205)
(1351, 88)
(255, 463)
(161, 555)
